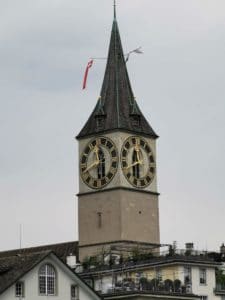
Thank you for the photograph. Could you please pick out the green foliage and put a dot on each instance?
(171, 251)
(177, 284)
(169, 285)
(220, 278)
(137, 255)
(90, 261)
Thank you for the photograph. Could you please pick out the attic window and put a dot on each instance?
(47, 280)
(136, 120)
(19, 289)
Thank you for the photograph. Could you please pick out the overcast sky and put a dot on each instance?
(179, 83)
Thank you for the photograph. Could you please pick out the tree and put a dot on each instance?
(168, 284)
(220, 278)
(177, 285)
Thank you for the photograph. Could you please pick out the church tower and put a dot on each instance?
(118, 197)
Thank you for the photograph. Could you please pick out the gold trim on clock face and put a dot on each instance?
(138, 162)
(99, 162)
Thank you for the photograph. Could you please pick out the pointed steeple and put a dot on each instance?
(118, 107)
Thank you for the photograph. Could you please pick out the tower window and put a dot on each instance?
(101, 166)
(99, 219)
(136, 168)
(19, 289)
(136, 120)
(47, 280)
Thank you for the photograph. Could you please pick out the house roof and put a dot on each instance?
(62, 250)
(116, 107)
(13, 267)
(15, 264)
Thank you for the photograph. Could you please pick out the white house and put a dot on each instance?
(40, 275)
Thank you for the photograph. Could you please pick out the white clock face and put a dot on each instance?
(138, 162)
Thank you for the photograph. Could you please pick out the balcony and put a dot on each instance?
(143, 285)
(220, 289)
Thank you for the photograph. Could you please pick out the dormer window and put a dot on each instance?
(100, 120)
(136, 120)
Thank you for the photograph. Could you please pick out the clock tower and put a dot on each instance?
(118, 197)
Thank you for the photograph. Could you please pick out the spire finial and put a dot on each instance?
(114, 5)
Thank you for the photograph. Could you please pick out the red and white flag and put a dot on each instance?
(89, 65)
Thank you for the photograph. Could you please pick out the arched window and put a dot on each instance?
(47, 280)
(136, 168)
(101, 166)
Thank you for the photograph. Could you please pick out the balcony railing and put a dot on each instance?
(149, 286)
(220, 289)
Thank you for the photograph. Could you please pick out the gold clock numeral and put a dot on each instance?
(138, 183)
(99, 183)
(85, 176)
(91, 147)
(137, 141)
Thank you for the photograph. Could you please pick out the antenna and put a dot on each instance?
(20, 236)
(114, 5)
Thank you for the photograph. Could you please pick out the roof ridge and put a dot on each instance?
(36, 247)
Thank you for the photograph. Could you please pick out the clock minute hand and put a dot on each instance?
(139, 162)
(134, 164)
(95, 164)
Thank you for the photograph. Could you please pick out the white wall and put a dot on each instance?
(201, 289)
(64, 282)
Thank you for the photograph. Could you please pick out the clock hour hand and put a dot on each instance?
(96, 150)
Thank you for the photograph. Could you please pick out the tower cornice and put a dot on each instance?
(119, 188)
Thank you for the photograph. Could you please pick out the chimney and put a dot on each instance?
(71, 261)
(189, 248)
(222, 249)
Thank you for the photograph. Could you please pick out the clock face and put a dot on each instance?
(98, 162)
(138, 162)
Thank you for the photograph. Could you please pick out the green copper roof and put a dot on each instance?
(117, 108)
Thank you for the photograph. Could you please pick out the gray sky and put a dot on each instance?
(179, 83)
